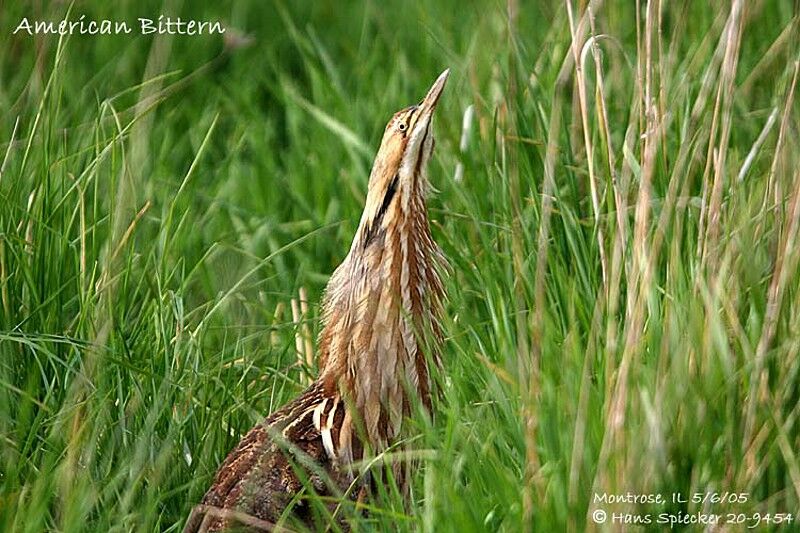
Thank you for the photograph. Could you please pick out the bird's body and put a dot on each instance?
(384, 294)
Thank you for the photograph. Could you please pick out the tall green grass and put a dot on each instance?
(624, 305)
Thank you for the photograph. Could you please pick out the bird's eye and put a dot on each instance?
(402, 126)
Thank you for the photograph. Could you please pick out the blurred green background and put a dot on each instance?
(624, 302)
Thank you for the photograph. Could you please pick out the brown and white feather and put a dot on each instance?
(387, 291)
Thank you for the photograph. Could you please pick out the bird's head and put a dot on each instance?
(400, 165)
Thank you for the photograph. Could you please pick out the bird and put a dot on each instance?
(374, 362)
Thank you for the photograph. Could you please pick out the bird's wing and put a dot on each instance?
(260, 476)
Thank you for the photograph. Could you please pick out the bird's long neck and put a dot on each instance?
(386, 292)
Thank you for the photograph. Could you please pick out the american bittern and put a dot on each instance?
(386, 290)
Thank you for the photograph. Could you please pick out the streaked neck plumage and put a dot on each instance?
(388, 289)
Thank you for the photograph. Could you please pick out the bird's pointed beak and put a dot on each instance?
(414, 149)
(426, 108)
(428, 104)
